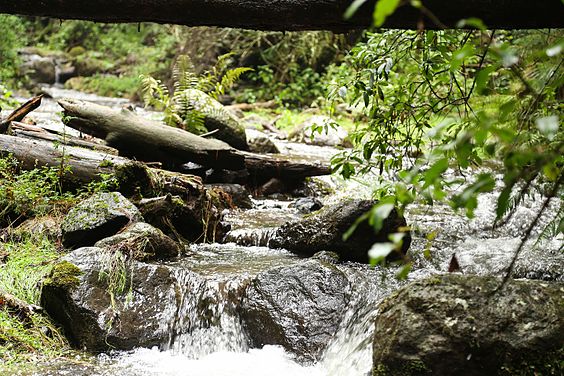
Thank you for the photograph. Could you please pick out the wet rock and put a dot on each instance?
(320, 130)
(238, 194)
(307, 204)
(453, 325)
(216, 117)
(41, 226)
(298, 307)
(324, 231)
(97, 217)
(77, 296)
(39, 70)
(263, 145)
(142, 242)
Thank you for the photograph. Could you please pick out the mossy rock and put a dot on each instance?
(64, 275)
(460, 325)
(97, 217)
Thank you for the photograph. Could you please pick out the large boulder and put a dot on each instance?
(96, 315)
(457, 325)
(298, 307)
(216, 117)
(97, 217)
(39, 70)
(142, 242)
(324, 230)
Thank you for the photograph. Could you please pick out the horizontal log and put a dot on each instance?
(295, 14)
(148, 140)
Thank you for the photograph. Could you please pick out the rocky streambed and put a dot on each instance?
(282, 294)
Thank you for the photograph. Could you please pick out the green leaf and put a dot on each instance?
(404, 272)
(351, 10)
(483, 77)
(379, 213)
(548, 126)
(503, 201)
(471, 22)
(383, 9)
(379, 252)
(435, 171)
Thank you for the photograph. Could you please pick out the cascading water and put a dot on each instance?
(208, 337)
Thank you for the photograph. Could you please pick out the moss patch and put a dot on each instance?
(64, 275)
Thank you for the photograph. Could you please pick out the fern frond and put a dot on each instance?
(154, 92)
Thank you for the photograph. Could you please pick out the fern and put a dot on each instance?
(178, 105)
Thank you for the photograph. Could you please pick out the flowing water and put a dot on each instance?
(209, 339)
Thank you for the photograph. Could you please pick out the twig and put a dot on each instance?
(527, 235)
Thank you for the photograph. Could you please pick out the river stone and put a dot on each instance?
(298, 307)
(142, 241)
(77, 298)
(218, 118)
(100, 216)
(263, 145)
(453, 325)
(238, 194)
(306, 204)
(329, 133)
(324, 230)
(39, 69)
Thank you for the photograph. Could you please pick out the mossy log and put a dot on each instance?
(149, 140)
(295, 14)
(82, 166)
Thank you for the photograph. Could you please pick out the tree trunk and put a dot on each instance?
(82, 166)
(148, 140)
(296, 14)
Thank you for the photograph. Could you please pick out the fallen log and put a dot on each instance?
(38, 133)
(21, 112)
(144, 139)
(149, 140)
(17, 307)
(296, 14)
(82, 166)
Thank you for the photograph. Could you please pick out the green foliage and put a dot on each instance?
(442, 100)
(13, 37)
(28, 262)
(6, 99)
(178, 104)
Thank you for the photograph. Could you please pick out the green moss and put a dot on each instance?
(64, 275)
(411, 368)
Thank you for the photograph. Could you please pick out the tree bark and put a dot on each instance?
(20, 113)
(295, 14)
(147, 140)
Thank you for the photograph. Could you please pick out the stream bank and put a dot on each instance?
(217, 292)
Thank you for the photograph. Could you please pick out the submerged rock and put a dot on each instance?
(143, 242)
(298, 307)
(324, 231)
(306, 204)
(456, 325)
(97, 217)
(98, 316)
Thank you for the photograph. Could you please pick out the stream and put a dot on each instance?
(218, 345)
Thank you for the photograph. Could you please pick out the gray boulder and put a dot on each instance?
(457, 325)
(324, 230)
(306, 204)
(263, 145)
(298, 307)
(216, 117)
(79, 298)
(143, 242)
(100, 216)
(39, 70)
